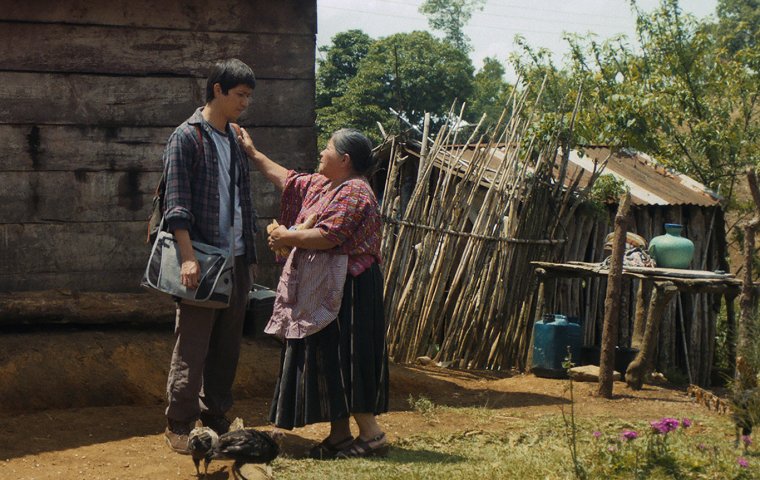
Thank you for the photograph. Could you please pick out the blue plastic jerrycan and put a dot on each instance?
(552, 337)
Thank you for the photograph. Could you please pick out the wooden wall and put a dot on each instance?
(705, 227)
(89, 92)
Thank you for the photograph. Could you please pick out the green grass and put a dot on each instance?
(538, 449)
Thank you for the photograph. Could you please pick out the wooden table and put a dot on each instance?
(663, 283)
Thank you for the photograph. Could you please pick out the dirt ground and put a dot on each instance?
(126, 442)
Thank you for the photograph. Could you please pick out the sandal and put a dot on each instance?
(362, 449)
(325, 450)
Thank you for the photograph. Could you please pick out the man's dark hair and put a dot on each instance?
(229, 74)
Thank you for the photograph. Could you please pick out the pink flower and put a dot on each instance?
(742, 462)
(664, 425)
(746, 440)
(629, 435)
(685, 423)
(597, 434)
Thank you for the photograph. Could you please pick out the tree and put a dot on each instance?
(707, 115)
(412, 73)
(739, 27)
(340, 64)
(685, 98)
(490, 92)
(450, 17)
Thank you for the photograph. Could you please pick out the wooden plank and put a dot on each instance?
(135, 101)
(95, 248)
(111, 280)
(141, 51)
(95, 148)
(102, 196)
(103, 281)
(77, 196)
(273, 16)
(61, 306)
(87, 256)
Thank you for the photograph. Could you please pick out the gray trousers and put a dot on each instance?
(206, 353)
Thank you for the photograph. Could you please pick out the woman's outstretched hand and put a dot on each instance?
(247, 142)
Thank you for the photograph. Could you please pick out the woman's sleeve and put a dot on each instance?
(343, 217)
(296, 187)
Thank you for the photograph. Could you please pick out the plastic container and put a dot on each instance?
(260, 306)
(552, 337)
(672, 250)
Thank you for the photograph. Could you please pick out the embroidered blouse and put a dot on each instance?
(348, 215)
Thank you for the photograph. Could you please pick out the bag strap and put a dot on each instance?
(233, 186)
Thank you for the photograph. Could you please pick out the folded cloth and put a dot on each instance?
(633, 257)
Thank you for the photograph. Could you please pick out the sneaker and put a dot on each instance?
(176, 434)
(217, 423)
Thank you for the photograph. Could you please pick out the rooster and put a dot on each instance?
(201, 442)
(245, 445)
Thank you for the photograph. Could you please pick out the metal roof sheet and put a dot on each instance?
(649, 182)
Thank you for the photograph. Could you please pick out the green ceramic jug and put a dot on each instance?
(672, 250)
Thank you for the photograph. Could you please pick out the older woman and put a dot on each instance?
(338, 369)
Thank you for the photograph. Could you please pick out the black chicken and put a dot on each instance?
(201, 442)
(245, 446)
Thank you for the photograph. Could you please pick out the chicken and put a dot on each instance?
(202, 442)
(245, 445)
(310, 221)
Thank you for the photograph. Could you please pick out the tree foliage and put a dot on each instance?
(450, 17)
(412, 73)
(679, 94)
(340, 64)
(490, 92)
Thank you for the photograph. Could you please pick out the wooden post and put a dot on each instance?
(642, 303)
(540, 302)
(661, 295)
(731, 329)
(612, 300)
(747, 303)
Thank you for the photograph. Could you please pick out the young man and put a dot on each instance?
(197, 206)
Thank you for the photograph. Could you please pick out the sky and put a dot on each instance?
(492, 30)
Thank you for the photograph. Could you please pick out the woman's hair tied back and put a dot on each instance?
(357, 146)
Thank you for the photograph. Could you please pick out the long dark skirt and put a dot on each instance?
(343, 368)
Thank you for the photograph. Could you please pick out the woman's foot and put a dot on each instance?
(328, 448)
(373, 447)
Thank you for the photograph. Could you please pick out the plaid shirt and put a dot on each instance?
(191, 201)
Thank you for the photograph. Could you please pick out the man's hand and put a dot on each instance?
(190, 274)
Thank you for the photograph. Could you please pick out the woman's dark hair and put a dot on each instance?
(357, 146)
(229, 74)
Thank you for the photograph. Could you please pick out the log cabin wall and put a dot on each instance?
(586, 301)
(89, 93)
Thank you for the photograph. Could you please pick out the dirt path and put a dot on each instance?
(127, 442)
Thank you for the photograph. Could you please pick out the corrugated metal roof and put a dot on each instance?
(650, 183)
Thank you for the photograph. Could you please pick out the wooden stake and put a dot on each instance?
(640, 366)
(612, 300)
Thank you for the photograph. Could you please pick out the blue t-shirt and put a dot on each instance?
(222, 143)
